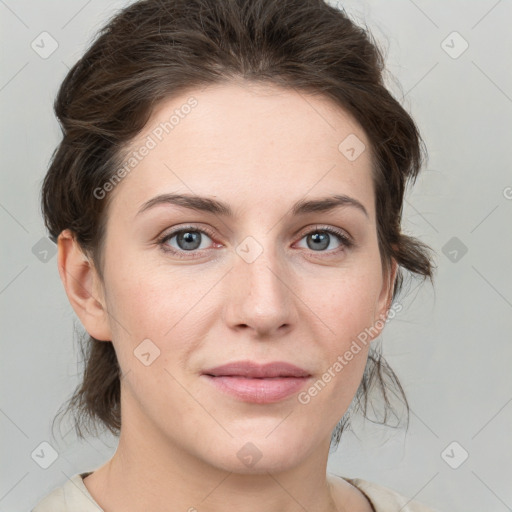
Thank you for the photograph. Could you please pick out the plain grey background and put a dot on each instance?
(450, 346)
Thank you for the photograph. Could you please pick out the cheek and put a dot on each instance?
(347, 305)
(163, 304)
(346, 309)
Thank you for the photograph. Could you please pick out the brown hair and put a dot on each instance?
(156, 49)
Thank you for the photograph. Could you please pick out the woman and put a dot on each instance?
(227, 201)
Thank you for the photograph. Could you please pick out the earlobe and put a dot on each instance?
(83, 287)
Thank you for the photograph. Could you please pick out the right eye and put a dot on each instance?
(187, 240)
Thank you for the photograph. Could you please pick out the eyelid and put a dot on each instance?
(164, 238)
(343, 234)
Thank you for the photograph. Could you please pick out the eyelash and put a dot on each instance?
(346, 243)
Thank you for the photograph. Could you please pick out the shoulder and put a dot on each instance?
(53, 502)
(384, 499)
(71, 496)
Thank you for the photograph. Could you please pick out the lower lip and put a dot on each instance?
(259, 391)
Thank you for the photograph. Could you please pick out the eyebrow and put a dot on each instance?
(206, 204)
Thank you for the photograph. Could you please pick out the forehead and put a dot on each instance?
(247, 144)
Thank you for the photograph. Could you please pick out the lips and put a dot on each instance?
(253, 370)
(248, 381)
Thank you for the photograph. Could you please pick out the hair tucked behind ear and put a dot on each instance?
(155, 49)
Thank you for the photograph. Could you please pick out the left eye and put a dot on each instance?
(320, 239)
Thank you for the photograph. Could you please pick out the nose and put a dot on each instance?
(261, 297)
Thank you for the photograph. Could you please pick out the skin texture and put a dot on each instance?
(259, 149)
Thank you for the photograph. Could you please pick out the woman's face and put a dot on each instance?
(262, 284)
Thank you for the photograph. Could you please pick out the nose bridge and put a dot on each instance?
(260, 294)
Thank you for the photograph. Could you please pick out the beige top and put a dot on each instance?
(74, 496)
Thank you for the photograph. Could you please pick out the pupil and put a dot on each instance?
(189, 240)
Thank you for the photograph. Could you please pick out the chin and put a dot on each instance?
(258, 454)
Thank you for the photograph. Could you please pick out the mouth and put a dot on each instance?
(253, 370)
(251, 382)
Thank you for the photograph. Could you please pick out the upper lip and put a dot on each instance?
(251, 369)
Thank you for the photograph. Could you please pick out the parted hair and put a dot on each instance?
(154, 50)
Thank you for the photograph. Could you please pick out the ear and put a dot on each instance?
(83, 287)
(385, 298)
